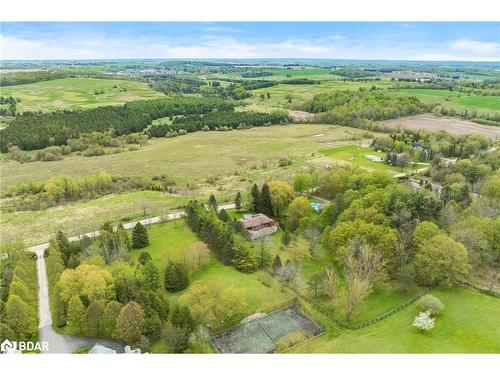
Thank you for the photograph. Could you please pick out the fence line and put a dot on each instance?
(489, 292)
(366, 323)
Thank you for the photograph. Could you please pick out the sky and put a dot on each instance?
(445, 41)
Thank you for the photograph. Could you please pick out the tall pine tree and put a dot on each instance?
(237, 201)
(139, 236)
(256, 202)
(267, 207)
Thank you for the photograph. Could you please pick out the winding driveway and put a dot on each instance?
(58, 343)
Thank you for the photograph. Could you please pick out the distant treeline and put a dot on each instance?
(254, 74)
(351, 107)
(299, 81)
(21, 78)
(31, 131)
(177, 85)
(218, 121)
(251, 84)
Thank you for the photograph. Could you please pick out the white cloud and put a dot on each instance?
(476, 47)
(211, 45)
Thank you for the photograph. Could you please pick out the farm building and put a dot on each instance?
(258, 225)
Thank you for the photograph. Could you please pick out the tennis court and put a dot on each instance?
(261, 334)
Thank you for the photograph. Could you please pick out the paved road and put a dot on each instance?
(59, 343)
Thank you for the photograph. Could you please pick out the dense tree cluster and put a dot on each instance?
(353, 108)
(24, 77)
(221, 237)
(39, 130)
(105, 294)
(227, 120)
(18, 294)
(38, 195)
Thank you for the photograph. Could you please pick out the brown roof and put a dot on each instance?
(256, 220)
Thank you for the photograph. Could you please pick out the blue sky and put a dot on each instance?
(335, 40)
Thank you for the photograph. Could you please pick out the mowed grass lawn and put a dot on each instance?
(356, 155)
(470, 323)
(35, 227)
(192, 156)
(77, 93)
(170, 241)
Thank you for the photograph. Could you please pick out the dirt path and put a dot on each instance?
(450, 125)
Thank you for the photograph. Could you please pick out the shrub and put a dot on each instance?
(423, 321)
(292, 339)
(432, 304)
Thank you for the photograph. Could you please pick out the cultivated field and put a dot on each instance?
(451, 125)
(77, 93)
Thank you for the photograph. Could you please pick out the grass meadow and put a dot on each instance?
(77, 93)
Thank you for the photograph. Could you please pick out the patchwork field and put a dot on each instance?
(450, 125)
(193, 156)
(77, 93)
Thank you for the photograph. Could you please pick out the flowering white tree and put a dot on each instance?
(423, 321)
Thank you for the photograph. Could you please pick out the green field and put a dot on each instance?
(301, 94)
(170, 241)
(356, 155)
(470, 323)
(77, 93)
(35, 227)
(454, 99)
(193, 156)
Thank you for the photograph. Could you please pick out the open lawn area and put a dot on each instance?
(194, 156)
(38, 226)
(356, 155)
(470, 323)
(77, 93)
(175, 240)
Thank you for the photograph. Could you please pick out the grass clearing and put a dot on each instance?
(194, 156)
(470, 323)
(453, 99)
(356, 155)
(35, 227)
(77, 93)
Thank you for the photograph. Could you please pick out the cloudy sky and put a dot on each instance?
(339, 40)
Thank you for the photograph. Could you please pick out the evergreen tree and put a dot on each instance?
(286, 238)
(237, 201)
(277, 264)
(256, 201)
(263, 254)
(224, 216)
(130, 323)
(212, 203)
(139, 236)
(92, 319)
(144, 257)
(176, 277)
(76, 312)
(267, 207)
(151, 276)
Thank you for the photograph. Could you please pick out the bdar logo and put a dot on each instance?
(7, 346)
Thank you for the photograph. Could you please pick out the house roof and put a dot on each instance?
(101, 349)
(256, 220)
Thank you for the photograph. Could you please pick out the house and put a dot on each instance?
(258, 225)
